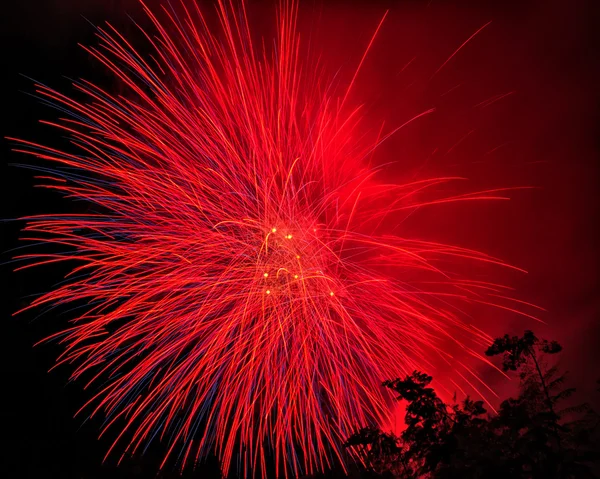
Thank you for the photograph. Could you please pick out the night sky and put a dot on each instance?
(544, 135)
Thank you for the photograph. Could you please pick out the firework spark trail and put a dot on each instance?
(237, 289)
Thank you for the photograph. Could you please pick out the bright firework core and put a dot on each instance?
(292, 261)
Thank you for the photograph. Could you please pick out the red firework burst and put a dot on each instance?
(240, 290)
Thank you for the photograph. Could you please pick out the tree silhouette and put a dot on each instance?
(532, 436)
(547, 439)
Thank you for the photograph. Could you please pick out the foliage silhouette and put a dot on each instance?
(539, 434)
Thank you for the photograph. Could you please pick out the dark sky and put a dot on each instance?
(545, 52)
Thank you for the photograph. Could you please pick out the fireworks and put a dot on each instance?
(236, 287)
